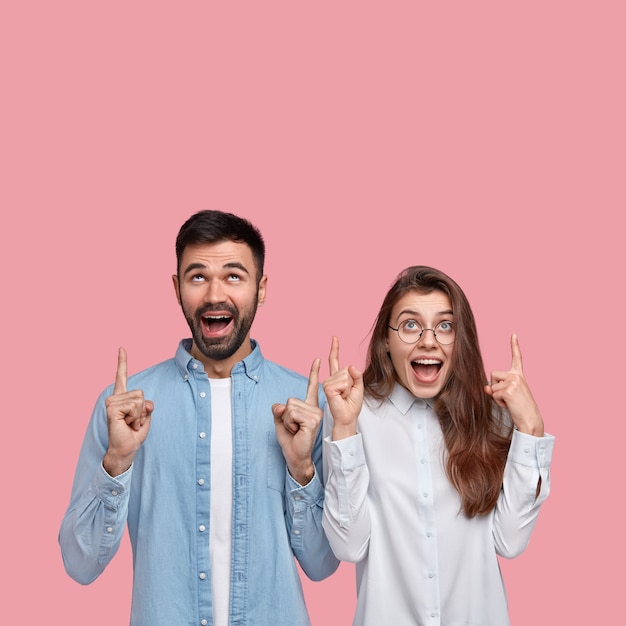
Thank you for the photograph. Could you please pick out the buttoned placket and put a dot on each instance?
(241, 513)
(200, 388)
(425, 505)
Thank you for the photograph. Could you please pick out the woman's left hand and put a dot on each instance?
(510, 390)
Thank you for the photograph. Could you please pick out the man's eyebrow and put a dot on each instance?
(237, 266)
(194, 266)
(201, 266)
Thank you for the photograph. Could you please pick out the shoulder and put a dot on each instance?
(282, 373)
(165, 368)
(287, 383)
(152, 378)
(277, 368)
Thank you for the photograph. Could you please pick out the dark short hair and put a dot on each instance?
(213, 226)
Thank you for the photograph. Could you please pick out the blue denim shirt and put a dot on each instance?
(164, 498)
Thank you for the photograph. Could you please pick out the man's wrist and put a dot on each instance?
(303, 475)
(115, 466)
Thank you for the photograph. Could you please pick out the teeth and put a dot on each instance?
(216, 317)
(428, 362)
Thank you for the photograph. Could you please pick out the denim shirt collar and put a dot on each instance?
(250, 366)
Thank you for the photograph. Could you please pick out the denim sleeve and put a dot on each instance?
(303, 516)
(94, 523)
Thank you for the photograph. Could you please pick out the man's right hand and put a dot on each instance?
(128, 418)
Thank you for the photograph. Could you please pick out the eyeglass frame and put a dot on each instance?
(433, 330)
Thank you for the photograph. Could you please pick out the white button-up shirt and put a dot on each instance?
(391, 509)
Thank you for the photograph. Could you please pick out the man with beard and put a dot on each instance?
(209, 458)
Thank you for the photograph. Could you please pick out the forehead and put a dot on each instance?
(422, 304)
(218, 255)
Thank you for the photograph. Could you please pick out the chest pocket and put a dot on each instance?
(275, 463)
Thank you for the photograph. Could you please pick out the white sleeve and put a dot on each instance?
(346, 517)
(527, 467)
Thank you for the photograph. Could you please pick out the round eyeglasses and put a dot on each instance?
(411, 331)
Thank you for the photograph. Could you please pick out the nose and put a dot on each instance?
(214, 292)
(427, 337)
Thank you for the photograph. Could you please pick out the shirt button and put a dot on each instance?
(430, 575)
(113, 492)
(202, 394)
(203, 622)
(202, 528)
(296, 532)
(201, 481)
(202, 435)
(202, 576)
(423, 461)
(429, 534)
(527, 450)
(297, 498)
(425, 495)
(195, 366)
(109, 529)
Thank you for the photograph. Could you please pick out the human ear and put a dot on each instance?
(176, 287)
(262, 291)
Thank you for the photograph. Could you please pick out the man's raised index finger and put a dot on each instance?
(121, 376)
(312, 388)
(516, 354)
(333, 357)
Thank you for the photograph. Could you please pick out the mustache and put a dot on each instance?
(219, 308)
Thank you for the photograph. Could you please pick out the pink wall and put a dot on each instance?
(361, 137)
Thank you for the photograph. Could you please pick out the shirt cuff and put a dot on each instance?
(530, 450)
(310, 494)
(346, 455)
(112, 490)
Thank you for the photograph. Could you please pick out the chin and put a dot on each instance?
(427, 395)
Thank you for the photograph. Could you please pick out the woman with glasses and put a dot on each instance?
(430, 472)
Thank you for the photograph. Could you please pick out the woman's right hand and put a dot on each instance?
(344, 393)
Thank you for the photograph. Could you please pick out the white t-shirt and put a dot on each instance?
(220, 532)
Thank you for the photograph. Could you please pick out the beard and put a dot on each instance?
(221, 348)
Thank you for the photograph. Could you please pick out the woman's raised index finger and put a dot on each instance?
(121, 376)
(312, 388)
(516, 354)
(333, 357)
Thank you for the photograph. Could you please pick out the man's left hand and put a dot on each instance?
(297, 423)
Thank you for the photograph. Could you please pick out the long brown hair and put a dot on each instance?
(476, 435)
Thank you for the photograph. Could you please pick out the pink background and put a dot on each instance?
(483, 138)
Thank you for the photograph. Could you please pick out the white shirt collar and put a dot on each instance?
(403, 399)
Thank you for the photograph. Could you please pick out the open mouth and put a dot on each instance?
(426, 370)
(216, 324)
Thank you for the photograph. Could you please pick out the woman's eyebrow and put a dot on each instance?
(418, 314)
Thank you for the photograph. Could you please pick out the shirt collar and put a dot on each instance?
(403, 399)
(250, 366)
